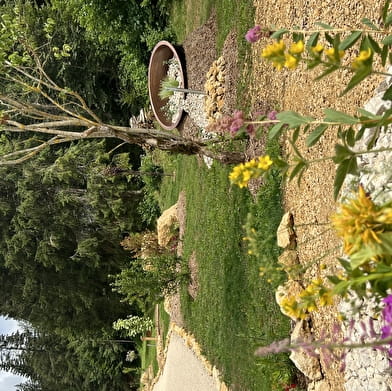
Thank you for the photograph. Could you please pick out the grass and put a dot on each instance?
(147, 349)
(187, 15)
(235, 310)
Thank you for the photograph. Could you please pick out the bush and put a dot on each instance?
(146, 282)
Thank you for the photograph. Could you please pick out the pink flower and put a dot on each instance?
(254, 34)
(272, 115)
(238, 114)
(236, 125)
(250, 129)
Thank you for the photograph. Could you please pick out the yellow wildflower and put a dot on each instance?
(273, 50)
(331, 54)
(264, 162)
(243, 173)
(317, 49)
(326, 298)
(360, 222)
(363, 56)
(291, 61)
(297, 48)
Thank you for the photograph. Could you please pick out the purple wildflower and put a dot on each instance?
(250, 129)
(386, 332)
(272, 115)
(254, 34)
(236, 125)
(238, 114)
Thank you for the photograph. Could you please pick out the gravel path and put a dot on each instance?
(183, 371)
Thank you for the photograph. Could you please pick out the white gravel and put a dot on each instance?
(369, 369)
(183, 371)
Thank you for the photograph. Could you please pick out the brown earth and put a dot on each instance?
(312, 202)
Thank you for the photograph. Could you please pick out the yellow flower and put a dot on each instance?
(363, 56)
(291, 61)
(264, 162)
(360, 222)
(275, 49)
(297, 48)
(326, 298)
(317, 49)
(243, 173)
(331, 54)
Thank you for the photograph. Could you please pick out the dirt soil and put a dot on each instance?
(312, 203)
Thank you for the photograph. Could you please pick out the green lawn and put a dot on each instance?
(235, 309)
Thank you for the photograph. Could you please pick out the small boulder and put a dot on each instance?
(307, 364)
(166, 224)
(285, 235)
(289, 261)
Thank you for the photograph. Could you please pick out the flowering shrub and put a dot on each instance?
(244, 172)
(365, 228)
(315, 295)
(133, 325)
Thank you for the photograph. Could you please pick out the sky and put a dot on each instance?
(8, 381)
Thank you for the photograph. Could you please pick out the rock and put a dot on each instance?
(285, 235)
(308, 365)
(166, 224)
(289, 260)
(289, 288)
(320, 385)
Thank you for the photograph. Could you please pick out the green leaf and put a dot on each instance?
(384, 54)
(350, 40)
(347, 166)
(387, 40)
(375, 134)
(297, 169)
(365, 254)
(357, 78)
(315, 135)
(350, 137)
(279, 33)
(312, 41)
(329, 70)
(369, 23)
(324, 25)
(341, 153)
(296, 134)
(385, 9)
(360, 133)
(367, 114)
(388, 19)
(388, 94)
(298, 37)
(329, 38)
(275, 130)
(341, 287)
(293, 119)
(332, 115)
(373, 44)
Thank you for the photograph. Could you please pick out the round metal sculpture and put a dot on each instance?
(157, 71)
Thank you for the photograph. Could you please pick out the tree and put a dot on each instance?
(42, 113)
(51, 362)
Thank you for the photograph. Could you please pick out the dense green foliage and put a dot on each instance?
(55, 363)
(127, 30)
(63, 217)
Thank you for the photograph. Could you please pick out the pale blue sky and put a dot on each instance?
(8, 381)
